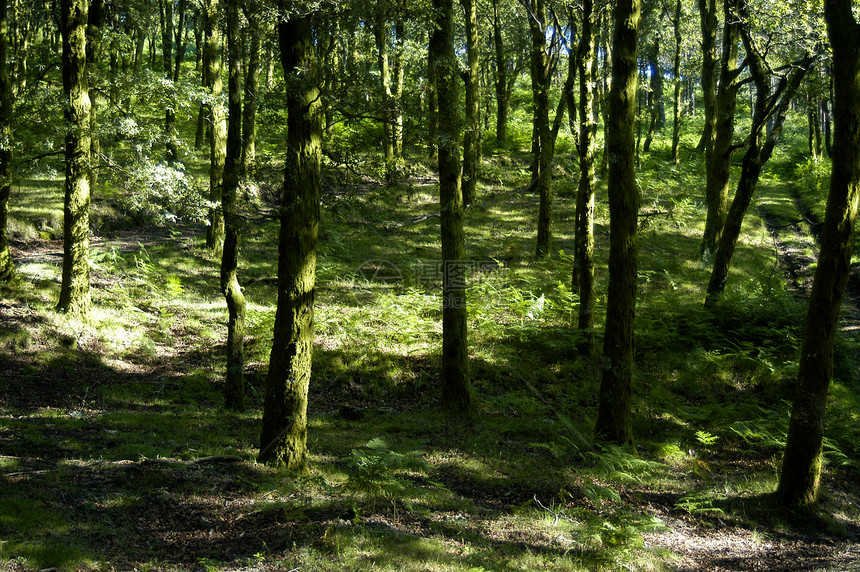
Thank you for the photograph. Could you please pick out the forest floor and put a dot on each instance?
(116, 454)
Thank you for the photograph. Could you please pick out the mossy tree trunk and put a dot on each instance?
(708, 25)
(500, 78)
(7, 268)
(655, 92)
(457, 396)
(284, 434)
(613, 415)
(252, 87)
(95, 20)
(75, 286)
(584, 236)
(166, 19)
(380, 35)
(773, 100)
(801, 465)
(541, 143)
(676, 80)
(718, 158)
(472, 75)
(234, 388)
(218, 126)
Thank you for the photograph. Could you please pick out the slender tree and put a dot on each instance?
(613, 415)
(457, 396)
(218, 126)
(284, 434)
(252, 87)
(472, 135)
(774, 94)
(801, 465)
(166, 19)
(720, 147)
(234, 388)
(676, 80)
(709, 24)
(7, 268)
(584, 238)
(541, 144)
(75, 286)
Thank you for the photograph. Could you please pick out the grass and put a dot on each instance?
(102, 422)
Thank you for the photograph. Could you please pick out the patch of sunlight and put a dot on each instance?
(34, 271)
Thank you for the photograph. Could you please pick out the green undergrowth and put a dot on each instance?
(118, 454)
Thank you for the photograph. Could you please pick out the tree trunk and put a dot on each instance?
(708, 20)
(501, 78)
(218, 127)
(7, 268)
(655, 93)
(75, 287)
(284, 435)
(801, 465)
(252, 87)
(95, 19)
(166, 13)
(457, 397)
(719, 159)
(584, 236)
(380, 35)
(472, 136)
(613, 415)
(541, 138)
(771, 106)
(234, 387)
(676, 80)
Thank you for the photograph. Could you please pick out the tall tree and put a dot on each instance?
(708, 22)
(541, 144)
(613, 415)
(284, 434)
(676, 80)
(801, 465)
(472, 75)
(75, 286)
(218, 123)
(457, 396)
(7, 268)
(252, 87)
(166, 18)
(584, 236)
(234, 388)
(719, 150)
(774, 94)
(95, 20)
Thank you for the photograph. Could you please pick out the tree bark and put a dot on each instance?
(234, 387)
(7, 268)
(719, 158)
(501, 78)
(284, 434)
(584, 235)
(252, 87)
(166, 14)
(457, 397)
(472, 135)
(75, 287)
(613, 415)
(218, 127)
(380, 35)
(801, 465)
(676, 80)
(708, 22)
(771, 106)
(542, 145)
